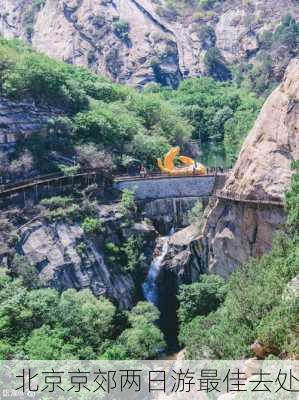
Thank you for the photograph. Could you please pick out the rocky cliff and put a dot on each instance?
(21, 119)
(141, 41)
(65, 256)
(237, 230)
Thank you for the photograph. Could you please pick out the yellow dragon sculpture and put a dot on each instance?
(190, 167)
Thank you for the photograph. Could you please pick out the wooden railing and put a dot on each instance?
(220, 194)
(42, 180)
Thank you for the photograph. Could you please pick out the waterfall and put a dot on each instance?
(150, 287)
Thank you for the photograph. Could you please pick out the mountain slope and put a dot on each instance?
(141, 41)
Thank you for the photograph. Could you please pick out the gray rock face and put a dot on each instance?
(155, 48)
(20, 119)
(234, 230)
(169, 213)
(182, 258)
(66, 259)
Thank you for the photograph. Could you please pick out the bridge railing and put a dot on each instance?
(37, 180)
(221, 194)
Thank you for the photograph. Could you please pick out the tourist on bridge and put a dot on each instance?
(143, 171)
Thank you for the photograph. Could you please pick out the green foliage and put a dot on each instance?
(57, 202)
(121, 121)
(31, 73)
(142, 340)
(42, 324)
(110, 125)
(195, 214)
(127, 205)
(259, 302)
(132, 250)
(200, 298)
(279, 329)
(253, 292)
(110, 118)
(292, 200)
(92, 225)
(61, 208)
(121, 29)
(215, 66)
(113, 252)
(207, 36)
(262, 77)
(218, 112)
(69, 170)
(207, 4)
(143, 312)
(21, 268)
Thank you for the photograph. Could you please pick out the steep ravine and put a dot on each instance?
(237, 230)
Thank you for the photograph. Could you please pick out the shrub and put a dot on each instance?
(207, 4)
(127, 205)
(201, 298)
(195, 215)
(215, 66)
(207, 36)
(121, 29)
(132, 250)
(92, 225)
(21, 268)
(57, 202)
(69, 170)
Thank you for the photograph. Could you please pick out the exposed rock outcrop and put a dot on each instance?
(141, 41)
(168, 213)
(182, 258)
(65, 257)
(20, 119)
(237, 230)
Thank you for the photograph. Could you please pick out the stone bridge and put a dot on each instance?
(165, 187)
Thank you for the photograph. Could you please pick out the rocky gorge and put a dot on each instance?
(224, 237)
(152, 252)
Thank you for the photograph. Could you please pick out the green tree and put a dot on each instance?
(48, 344)
(215, 66)
(84, 316)
(143, 340)
(292, 200)
(21, 268)
(201, 298)
(207, 36)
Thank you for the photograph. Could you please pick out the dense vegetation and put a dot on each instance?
(112, 118)
(220, 113)
(256, 304)
(110, 124)
(43, 324)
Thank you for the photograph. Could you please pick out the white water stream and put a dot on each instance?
(150, 286)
